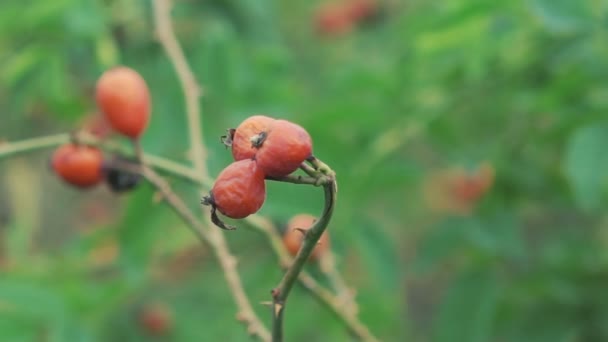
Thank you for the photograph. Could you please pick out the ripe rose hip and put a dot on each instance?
(334, 19)
(239, 190)
(123, 97)
(292, 239)
(359, 10)
(78, 165)
(156, 319)
(252, 128)
(284, 149)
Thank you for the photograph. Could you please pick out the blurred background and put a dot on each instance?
(469, 138)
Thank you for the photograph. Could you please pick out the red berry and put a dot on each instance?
(78, 165)
(334, 19)
(292, 239)
(252, 128)
(123, 97)
(359, 10)
(239, 190)
(284, 149)
(156, 319)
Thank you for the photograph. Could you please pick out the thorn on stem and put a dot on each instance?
(277, 309)
(302, 230)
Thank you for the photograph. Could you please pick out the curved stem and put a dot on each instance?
(333, 303)
(281, 292)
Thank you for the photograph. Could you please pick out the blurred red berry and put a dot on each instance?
(293, 237)
(80, 166)
(156, 319)
(124, 99)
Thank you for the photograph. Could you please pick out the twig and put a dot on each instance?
(166, 36)
(8, 149)
(295, 179)
(327, 265)
(11, 148)
(190, 87)
(334, 304)
(281, 292)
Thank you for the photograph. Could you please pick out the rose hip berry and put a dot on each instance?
(248, 135)
(239, 190)
(156, 319)
(284, 148)
(293, 237)
(123, 97)
(78, 165)
(334, 19)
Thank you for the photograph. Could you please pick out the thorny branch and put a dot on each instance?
(191, 89)
(263, 225)
(318, 174)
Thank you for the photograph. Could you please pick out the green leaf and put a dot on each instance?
(586, 165)
(562, 15)
(468, 309)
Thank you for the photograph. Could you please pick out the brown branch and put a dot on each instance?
(166, 36)
(335, 304)
(190, 87)
(263, 225)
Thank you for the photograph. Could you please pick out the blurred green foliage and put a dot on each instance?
(425, 86)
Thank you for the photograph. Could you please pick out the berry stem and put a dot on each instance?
(281, 292)
(295, 179)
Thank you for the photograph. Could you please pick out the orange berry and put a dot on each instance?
(242, 145)
(78, 165)
(284, 149)
(334, 19)
(293, 238)
(156, 319)
(239, 190)
(123, 97)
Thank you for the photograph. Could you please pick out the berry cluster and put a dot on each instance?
(123, 99)
(262, 147)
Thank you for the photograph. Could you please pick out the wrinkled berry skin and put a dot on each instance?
(286, 146)
(156, 320)
(239, 190)
(123, 97)
(254, 126)
(80, 166)
(293, 238)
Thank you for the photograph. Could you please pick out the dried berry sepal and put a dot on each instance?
(228, 138)
(208, 200)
